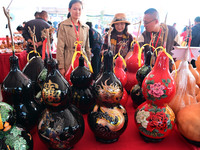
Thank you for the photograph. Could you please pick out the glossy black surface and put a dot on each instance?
(108, 125)
(81, 76)
(145, 69)
(61, 125)
(56, 91)
(32, 70)
(62, 129)
(17, 90)
(108, 119)
(28, 113)
(15, 84)
(83, 99)
(82, 91)
(108, 88)
(137, 96)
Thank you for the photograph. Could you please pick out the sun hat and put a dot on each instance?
(120, 17)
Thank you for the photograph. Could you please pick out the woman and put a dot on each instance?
(70, 31)
(118, 35)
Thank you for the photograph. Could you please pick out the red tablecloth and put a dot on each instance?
(5, 64)
(129, 140)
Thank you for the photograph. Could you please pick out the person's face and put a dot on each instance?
(120, 26)
(149, 22)
(75, 10)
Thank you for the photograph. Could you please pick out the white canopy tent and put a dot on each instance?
(178, 11)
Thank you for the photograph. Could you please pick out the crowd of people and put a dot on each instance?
(93, 44)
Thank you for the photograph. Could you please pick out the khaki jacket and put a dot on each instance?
(66, 39)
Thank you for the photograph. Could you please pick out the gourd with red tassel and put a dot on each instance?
(154, 118)
(132, 67)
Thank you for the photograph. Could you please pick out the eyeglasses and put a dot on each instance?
(145, 22)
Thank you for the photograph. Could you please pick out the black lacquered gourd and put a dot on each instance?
(61, 125)
(108, 119)
(82, 90)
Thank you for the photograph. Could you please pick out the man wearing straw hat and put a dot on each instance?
(157, 34)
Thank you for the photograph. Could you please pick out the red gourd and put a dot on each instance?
(119, 71)
(154, 118)
(132, 67)
(158, 86)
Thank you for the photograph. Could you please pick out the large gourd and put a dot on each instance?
(154, 118)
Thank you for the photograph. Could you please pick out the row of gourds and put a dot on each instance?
(40, 88)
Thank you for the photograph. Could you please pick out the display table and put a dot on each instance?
(129, 140)
(5, 64)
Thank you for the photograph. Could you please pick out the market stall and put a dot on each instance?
(130, 139)
(5, 64)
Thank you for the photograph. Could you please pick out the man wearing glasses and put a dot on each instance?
(157, 34)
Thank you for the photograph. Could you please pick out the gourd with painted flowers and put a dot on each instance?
(154, 118)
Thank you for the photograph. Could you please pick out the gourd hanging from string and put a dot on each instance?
(120, 73)
(61, 124)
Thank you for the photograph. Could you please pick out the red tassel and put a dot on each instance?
(43, 48)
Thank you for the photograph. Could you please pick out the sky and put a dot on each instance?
(177, 12)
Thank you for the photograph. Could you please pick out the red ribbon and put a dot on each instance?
(191, 54)
(44, 48)
(157, 39)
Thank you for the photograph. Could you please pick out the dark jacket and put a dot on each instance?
(39, 24)
(195, 36)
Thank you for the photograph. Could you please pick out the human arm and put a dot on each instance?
(87, 46)
(60, 50)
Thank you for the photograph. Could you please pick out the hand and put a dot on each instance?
(62, 71)
(38, 44)
(29, 41)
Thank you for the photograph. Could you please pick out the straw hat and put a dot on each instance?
(120, 17)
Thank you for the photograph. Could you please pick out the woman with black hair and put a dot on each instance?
(119, 34)
(70, 31)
